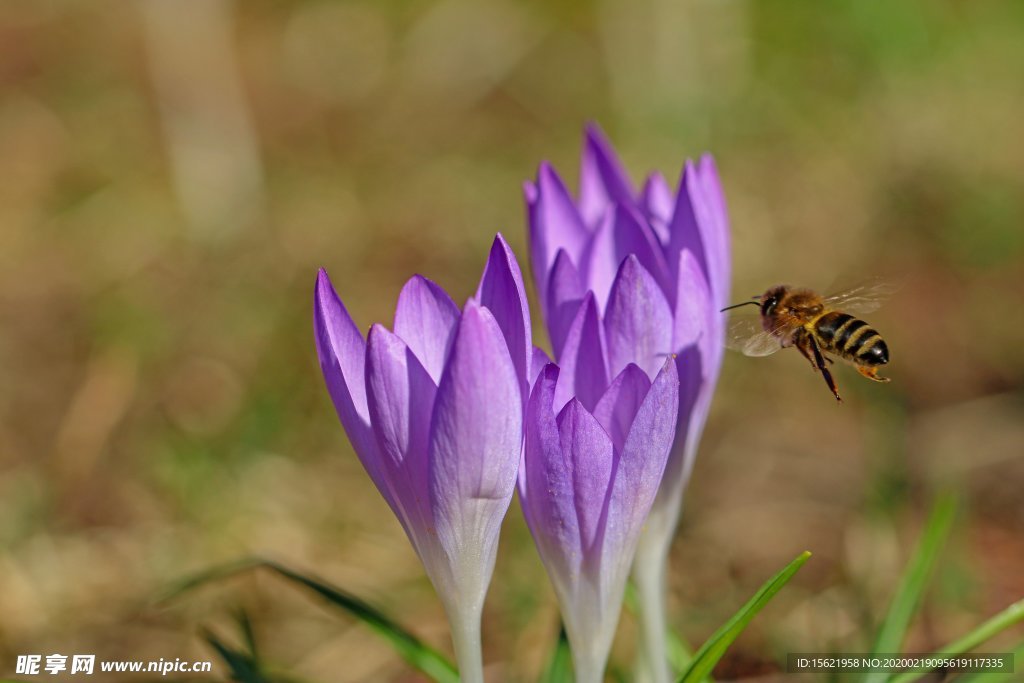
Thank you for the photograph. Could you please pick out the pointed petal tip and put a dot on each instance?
(671, 366)
(547, 176)
(326, 302)
(574, 405)
(499, 240)
(631, 264)
(594, 134)
(530, 192)
(421, 283)
(475, 314)
(474, 307)
(597, 142)
(503, 292)
(417, 280)
(549, 373)
(654, 176)
(323, 283)
(588, 306)
(562, 260)
(378, 333)
(632, 369)
(689, 167)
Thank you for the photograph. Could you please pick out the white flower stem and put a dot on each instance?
(590, 650)
(465, 626)
(587, 667)
(649, 575)
(590, 623)
(650, 566)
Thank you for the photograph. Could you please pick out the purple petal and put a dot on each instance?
(475, 437)
(583, 359)
(564, 294)
(587, 453)
(698, 380)
(717, 237)
(342, 354)
(340, 346)
(400, 394)
(502, 292)
(634, 236)
(700, 343)
(554, 222)
(694, 304)
(626, 234)
(641, 465)
(695, 393)
(699, 365)
(684, 230)
(657, 203)
(537, 363)
(603, 182)
(546, 487)
(425, 319)
(529, 192)
(700, 225)
(617, 408)
(599, 265)
(638, 321)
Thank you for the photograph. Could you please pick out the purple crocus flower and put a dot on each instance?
(656, 267)
(589, 477)
(434, 410)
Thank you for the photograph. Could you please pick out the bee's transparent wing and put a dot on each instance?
(864, 298)
(748, 337)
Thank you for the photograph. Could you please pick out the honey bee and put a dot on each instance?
(816, 326)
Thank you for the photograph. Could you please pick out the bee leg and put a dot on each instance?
(871, 373)
(810, 349)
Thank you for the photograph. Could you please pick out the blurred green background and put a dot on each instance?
(173, 173)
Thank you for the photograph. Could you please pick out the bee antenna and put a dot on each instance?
(745, 303)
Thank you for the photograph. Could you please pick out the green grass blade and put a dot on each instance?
(248, 633)
(679, 653)
(1014, 614)
(559, 666)
(908, 594)
(199, 579)
(616, 675)
(410, 648)
(243, 668)
(414, 651)
(711, 651)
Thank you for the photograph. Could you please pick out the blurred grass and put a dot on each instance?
(892, 631)
(405, 644)
(161, 410)
(712, 651)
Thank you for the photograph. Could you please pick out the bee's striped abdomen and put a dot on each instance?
(850, 338)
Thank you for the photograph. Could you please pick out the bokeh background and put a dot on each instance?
(173, 173)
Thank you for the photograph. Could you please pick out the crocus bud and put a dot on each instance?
(655, 266)
(589, 479)
(434, 411)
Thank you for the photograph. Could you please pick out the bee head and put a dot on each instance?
(770, 299)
